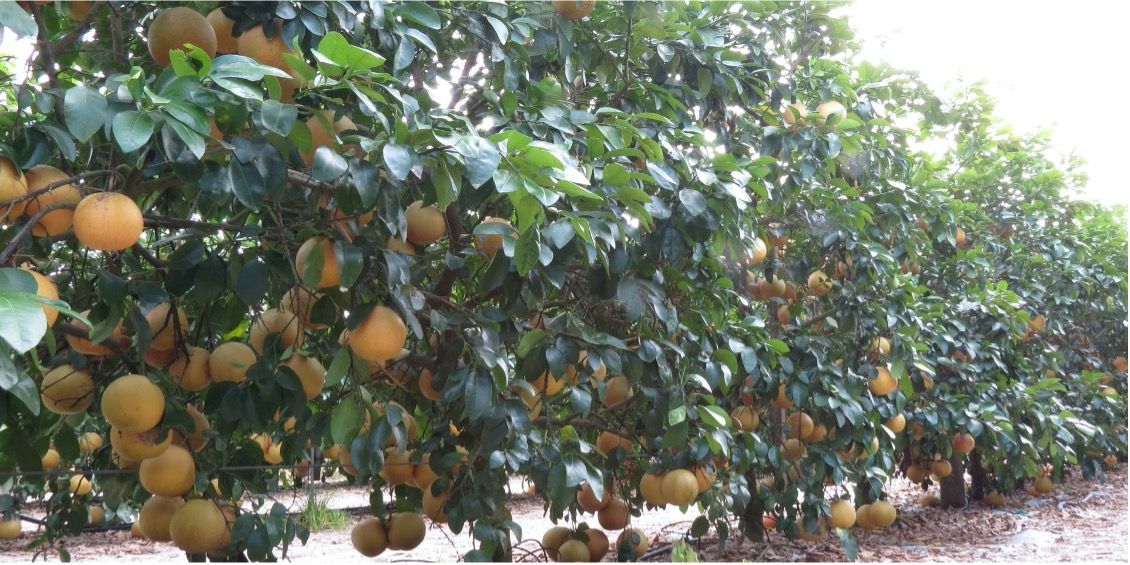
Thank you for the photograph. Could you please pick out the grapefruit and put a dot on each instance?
(615, 515)
(369, 537)
(200, 526)
(165, 326)
(651, 487)
(587, 499)
(490, 243)
(133, 404)
(222, 27)
(45, 288)
(12, 185)
(156, 514)
(229, 362)
(310, 373)
(380, 336)
(175, 28)
(108, 221)
(275, 321)
(573, 551)
(139, 446)
(573, 10)
(842, 515)
(330, 274)
(56, 221)
(67, 390)
(171, 473)
(191, 372)
(405, 531)
(425, 224)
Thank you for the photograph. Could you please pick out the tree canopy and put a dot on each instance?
(591, 244)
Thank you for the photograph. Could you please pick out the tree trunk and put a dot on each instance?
(979, 477)
(953, 486)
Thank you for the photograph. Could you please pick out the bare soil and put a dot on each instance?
(1079, 521)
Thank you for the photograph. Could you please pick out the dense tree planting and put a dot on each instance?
(641, 253)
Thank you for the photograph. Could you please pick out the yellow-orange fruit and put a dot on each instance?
(229, 362)
(200, 526)
(929, 501)
(87, 347)
(782, 401)
(597, 544)
(400, 246)
(95, 515)
(617, 391)
(959, 237)
(425, 223)
(819, 283)
(165, 326)
(843, 514)
(330, 274)
(108, 221)
(1043, 485)
(757, 251)
(369, 537)
(196, 439)
(405, 531)
(941, 468)
(171, 473)
(794, 449)
(175, 28)
(191, 372)
(680, 487)
(615, 515)
(573, 551)
(398, 468)
(222, 27)
(89, 441)
(156, 514)
(651, 487)
(548, 384)
(896, 423)
(608, 441)
(380, 336)
(573, 9)
(139, 446)
(56, 221)
(881, 514)
(553, 539)
(45, 288)
(80, 485)
(275, 321)
(133, 404)
(310, 373)
(433, 505)
(422, 473)
(12, 185)
(916, 473)
(994, 499)
(160, 358)
(490, 243)
(830, 108)
(639, 547)
(800, 425)
(587, 500)
(10, 529)
(50, 460)
(884, 383)
(745, 418)
(426, 388)
(67, 390)
(794, 114)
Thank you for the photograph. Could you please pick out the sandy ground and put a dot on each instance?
(1080, 521)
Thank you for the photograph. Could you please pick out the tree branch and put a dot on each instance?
(26, 229)
(454, 235)
(76, 32)
(303, 179)
(61, 182)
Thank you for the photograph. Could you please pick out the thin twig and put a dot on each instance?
(27, 228)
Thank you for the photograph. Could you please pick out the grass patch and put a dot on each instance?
(317, 515)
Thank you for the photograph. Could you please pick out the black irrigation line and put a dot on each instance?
(62, 472)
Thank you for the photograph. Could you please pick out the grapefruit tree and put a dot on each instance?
(641, 253)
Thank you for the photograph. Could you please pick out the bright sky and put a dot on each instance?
(1049, 65)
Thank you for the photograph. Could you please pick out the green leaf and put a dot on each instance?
(693, 200)
(398, 159)
(350, 262)
(677, 414)
(132, 130)
(243, 68)
(616, 174)
(22, 322)
(251, 283)
(478, 392)
(339, 51)
(278, 117)
(713, 416)
(480, 157)
(247, 184)
(421, 13)
(84, 110)
(531, 339)
(346, 420)
(446, 182)
(13, 17)
(338, 367)
(526, 253)
(328, 165)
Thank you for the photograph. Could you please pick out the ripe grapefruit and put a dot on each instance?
(133, 404)
(175, 28)
(108, 221)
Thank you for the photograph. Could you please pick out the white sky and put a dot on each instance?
(1057, 65)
